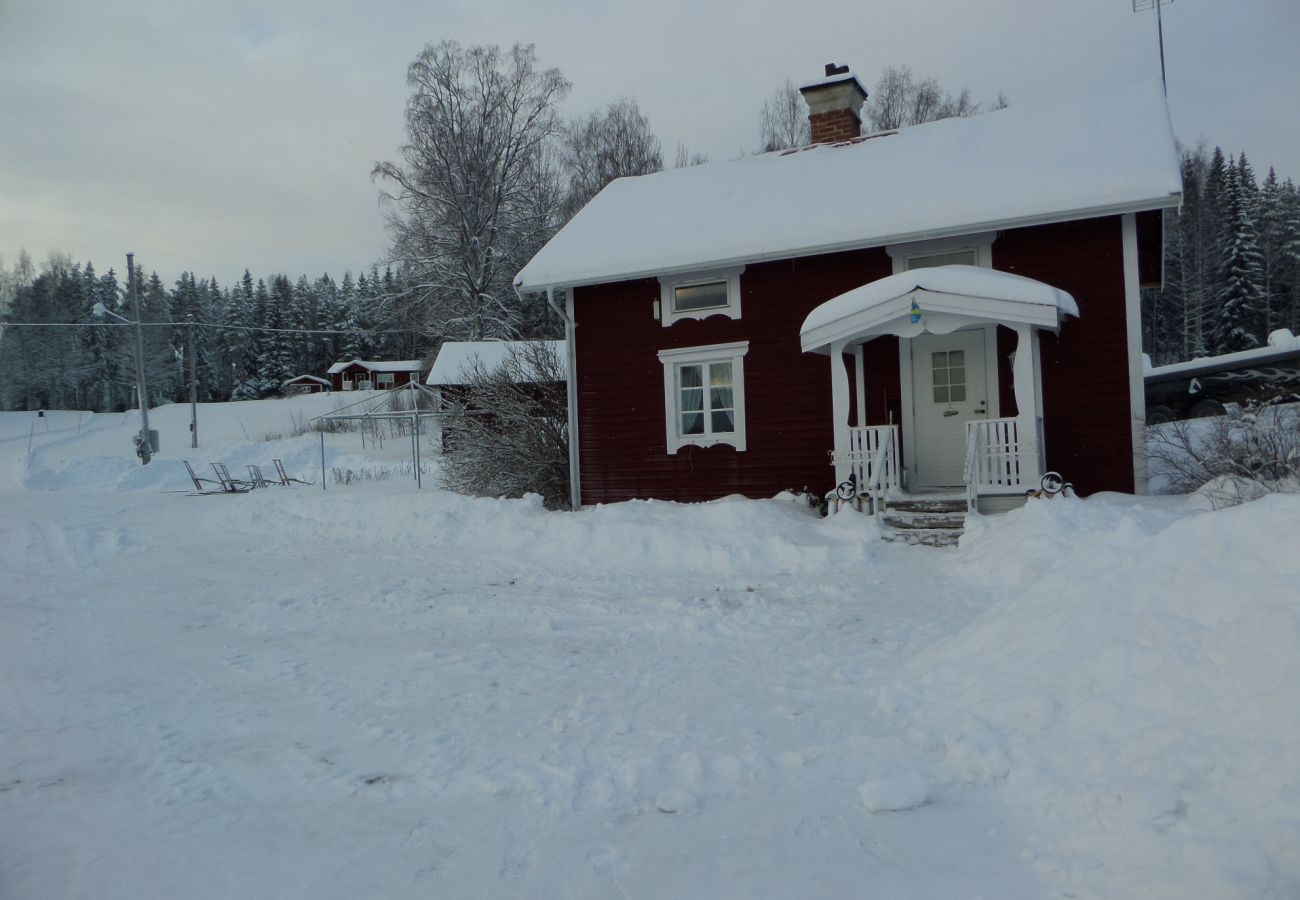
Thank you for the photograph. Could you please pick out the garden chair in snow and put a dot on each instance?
(230, 484)
(199, 482)
(284, 476)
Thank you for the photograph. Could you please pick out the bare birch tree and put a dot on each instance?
(899, 99)
(604, 145)
(784, 120)
(461, 202)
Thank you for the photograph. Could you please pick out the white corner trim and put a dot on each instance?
(1136, 382)
(668, 312)
(571, 366)
(733, 353)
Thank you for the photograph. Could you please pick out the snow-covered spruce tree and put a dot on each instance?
(1240, 297)
(505, 434)
(476, 123)
(234, 344)
(278, 360)
(347, 318)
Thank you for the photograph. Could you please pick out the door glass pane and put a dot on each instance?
(941, 394)
(957, 358)
(958, 393)
(940, 376)
(956, 376)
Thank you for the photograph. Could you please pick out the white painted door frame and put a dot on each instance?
(991, 388)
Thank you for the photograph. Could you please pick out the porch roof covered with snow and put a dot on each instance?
(938, 300)
(1110, 152)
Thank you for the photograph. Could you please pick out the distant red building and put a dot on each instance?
(374, 375)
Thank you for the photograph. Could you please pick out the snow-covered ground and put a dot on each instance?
(370, 691)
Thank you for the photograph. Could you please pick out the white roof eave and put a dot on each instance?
(1169, 201)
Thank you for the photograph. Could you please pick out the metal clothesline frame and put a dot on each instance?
(379, 408)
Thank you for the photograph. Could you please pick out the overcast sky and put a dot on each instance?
(217, 136)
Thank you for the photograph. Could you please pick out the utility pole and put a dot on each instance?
(194, 387)
(143, 445)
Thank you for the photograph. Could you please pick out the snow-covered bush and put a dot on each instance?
(505, 433)
(1244, 454)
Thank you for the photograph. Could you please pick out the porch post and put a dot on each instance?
(860, 381)
(1028, 403)
(840, 410)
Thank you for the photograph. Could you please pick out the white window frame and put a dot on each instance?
(673, 360)
(981, 243)
(385, 379)
(668, 314)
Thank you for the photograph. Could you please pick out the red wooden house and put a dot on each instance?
(951, 306)
(374, 375)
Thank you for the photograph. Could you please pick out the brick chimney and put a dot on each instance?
(835, 105)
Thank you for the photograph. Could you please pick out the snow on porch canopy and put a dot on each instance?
(1112, 151)
(902, 304)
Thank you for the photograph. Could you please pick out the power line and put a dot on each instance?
(208, 325)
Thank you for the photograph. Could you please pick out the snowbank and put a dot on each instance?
(1135, 688)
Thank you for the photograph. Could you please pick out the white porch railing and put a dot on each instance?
(872, 460)
(1000, 458)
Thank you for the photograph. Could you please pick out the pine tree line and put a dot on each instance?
(1232, 262)
(246, 339)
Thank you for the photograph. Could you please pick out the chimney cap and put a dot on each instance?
(834, 75)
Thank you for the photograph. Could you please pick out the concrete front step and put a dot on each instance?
(928, 521)
(932, 521)
(919, 505)
(928, 537)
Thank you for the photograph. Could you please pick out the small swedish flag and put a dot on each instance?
(916, 311)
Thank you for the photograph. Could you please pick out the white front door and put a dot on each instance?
(948, 390)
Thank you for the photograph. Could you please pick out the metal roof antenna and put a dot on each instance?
(1142, 5)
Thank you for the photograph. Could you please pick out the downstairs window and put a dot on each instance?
(704, 395)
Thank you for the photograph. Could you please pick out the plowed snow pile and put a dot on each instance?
(1136, 688)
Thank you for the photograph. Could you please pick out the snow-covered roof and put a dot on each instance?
(1112, 151)
(955, 291)
(1281, 343)
(399, 365)
(455, 356)
(311, 378)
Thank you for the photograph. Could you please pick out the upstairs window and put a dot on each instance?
(700, 296)
(958, 257)
(704, 395)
